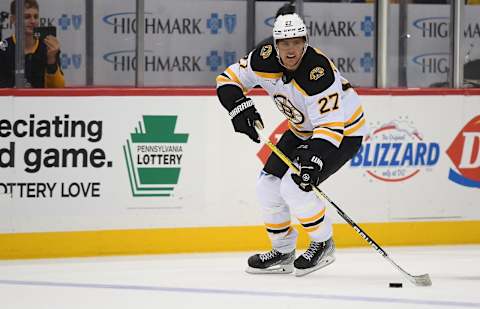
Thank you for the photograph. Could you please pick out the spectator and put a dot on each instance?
(42, 69)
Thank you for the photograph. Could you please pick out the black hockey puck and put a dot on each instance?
(395, 285)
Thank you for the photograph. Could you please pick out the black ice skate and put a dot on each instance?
(318, 255)
(273, 262)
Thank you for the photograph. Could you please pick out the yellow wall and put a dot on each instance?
(216, 239)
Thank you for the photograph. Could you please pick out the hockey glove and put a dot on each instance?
(244, 116)
(310, 166)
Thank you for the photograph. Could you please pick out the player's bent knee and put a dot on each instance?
(291, 193)
(268, 190)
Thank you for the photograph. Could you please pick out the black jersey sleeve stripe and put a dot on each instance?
(339, 131)
(355, 121)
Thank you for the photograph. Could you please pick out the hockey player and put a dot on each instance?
(326, 126)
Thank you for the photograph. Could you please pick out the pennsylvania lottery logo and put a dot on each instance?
(465, 155)
(153, 156)
(395, 152)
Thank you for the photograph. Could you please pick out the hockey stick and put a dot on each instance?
(421, 280)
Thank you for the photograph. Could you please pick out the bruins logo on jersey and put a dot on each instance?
(316, 73)
(266, 51)
(287, 108)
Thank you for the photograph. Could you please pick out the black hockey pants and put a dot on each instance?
(332, 163)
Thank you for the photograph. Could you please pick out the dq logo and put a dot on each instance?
(465, 155)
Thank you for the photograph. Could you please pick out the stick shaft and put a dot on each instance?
(320, 194)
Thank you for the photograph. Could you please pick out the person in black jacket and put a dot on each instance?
(42, 62)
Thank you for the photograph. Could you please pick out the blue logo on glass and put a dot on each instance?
(66, 61)
(367, 26)
(76, 61)
(214, 23)
(214, 60)
(64, 22)
(270, 21)
(367, 62)
(229, 57)
(76, 21)
(420, 59)
(421, 22)
(230, 21)
(111, 19)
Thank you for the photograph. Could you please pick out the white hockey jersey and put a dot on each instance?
(317, 101)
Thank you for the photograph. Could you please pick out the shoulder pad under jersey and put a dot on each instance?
(264, 60)
(315, 74)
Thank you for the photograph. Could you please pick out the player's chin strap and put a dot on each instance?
(421, 280)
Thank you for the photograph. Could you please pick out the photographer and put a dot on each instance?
(42, 62)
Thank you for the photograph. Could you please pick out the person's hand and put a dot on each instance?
(53, 48)
(244, 118)
(310, 166)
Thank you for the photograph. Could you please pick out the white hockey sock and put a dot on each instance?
(276, 214)
(308, 209)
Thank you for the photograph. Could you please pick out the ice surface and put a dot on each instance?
(358, 279)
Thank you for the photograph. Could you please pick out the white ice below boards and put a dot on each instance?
(359, 278)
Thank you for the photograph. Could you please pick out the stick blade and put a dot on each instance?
(421, 280)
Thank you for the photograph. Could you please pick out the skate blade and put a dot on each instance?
(302, 272)
(277, 269)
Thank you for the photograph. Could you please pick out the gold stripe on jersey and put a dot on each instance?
(355, 127)
(269, 75)
(235, 78)
(297, 132)
(223, 79)
(355, 122)
(333, 137)
(297, 86)
(339, 125)
(355, 115)
(312, 223)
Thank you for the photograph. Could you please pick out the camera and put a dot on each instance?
(41, 33)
